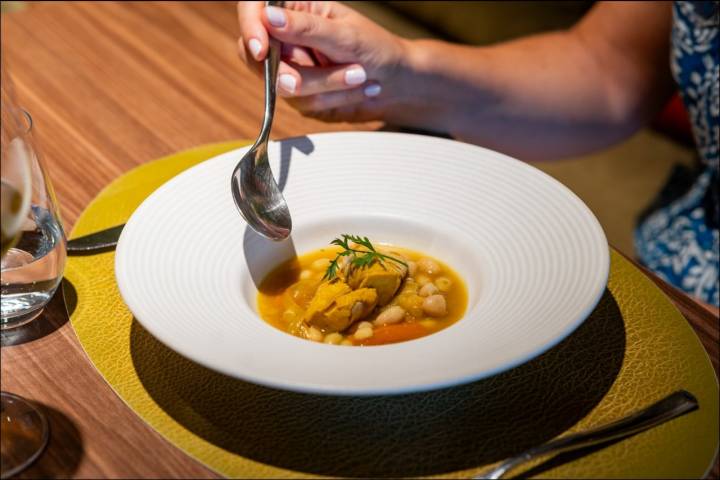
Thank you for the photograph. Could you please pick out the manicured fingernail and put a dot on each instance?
(276, 16)
(287, 82)
(255, 46)
(355, 76)
(373, 90)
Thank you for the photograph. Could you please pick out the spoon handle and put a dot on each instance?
(666, 409)
(271, 70)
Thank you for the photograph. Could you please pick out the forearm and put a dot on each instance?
(535, 98)
(542, 97)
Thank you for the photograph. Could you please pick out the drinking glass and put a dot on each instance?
(32, 256)
(31, 268)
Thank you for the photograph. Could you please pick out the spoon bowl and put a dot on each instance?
(258, 197)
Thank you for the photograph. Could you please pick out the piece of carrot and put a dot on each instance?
(398, 332)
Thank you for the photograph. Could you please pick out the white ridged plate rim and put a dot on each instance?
(533, 255)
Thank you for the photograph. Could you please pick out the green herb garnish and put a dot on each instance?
(360, 258)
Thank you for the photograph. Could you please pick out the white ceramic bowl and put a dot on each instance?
(533, 256)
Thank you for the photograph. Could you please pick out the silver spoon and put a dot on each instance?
(672, 406)
(256, 194)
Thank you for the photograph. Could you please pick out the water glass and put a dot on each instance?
(33, 255)
(31, 269)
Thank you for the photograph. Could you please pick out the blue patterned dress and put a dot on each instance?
(678, 237)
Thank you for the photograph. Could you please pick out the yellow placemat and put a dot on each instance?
(634, 349)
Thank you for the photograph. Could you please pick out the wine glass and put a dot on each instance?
(33, 256)
(24, 429)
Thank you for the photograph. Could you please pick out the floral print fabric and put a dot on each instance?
(678, 237)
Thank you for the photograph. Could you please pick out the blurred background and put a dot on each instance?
(617, 183)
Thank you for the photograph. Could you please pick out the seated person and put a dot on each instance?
(542, 97)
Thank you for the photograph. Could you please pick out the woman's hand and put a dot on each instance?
(336, 64)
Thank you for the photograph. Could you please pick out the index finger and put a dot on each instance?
(252, 31)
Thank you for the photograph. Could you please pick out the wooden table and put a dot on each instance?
(112, 86)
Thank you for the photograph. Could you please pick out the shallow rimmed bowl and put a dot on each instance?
(534, 258)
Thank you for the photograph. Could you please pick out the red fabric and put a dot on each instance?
(674, 122)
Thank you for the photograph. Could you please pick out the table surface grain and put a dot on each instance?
(111, 86)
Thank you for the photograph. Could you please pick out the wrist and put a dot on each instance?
(418, 93)
(414, 72)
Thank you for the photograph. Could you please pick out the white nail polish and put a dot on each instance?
(287, 82)
(255, 46)
(373, 90)
(355, 76)
(276, 16)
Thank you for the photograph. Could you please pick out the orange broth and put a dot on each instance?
(286, 291)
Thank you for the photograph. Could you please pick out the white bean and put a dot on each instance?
(422, 280)
(431, 267)
(333, 338)
(390, 315)
(314, 334)
(362, 325)
(443, 284)
(428, 289)
(363, 333)
(435, 306)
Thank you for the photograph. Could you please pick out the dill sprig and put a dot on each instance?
(360, 258)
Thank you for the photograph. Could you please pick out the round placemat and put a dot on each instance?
(633, 349)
